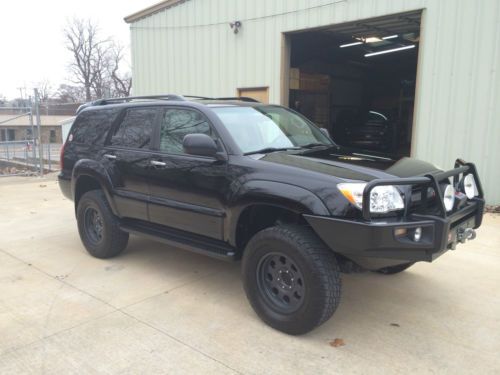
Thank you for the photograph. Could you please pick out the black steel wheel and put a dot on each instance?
(93, 225)
(99, 229)
(280, 280)
(291, 278)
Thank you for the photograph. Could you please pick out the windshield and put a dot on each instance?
(269, 127)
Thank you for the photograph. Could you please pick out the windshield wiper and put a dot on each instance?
(314, 144)
(267, 150)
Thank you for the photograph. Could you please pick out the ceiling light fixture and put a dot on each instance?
(390, 37)
(350, 44)
(389, 50)
(372, 39)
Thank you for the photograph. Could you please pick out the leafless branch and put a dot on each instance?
(95, 61)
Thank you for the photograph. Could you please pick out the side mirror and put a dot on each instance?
(200, 144)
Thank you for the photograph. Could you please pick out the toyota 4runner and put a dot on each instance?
(237, 179)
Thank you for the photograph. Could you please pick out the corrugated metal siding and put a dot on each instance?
(458, 96)
(190, 49)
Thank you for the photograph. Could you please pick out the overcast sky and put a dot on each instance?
(32, 44)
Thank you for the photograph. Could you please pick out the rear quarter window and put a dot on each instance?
(91, 127)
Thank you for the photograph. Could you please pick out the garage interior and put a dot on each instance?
(358, 80)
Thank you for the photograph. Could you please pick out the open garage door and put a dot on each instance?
(358, 80)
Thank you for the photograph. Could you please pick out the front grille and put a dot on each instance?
(423, 205)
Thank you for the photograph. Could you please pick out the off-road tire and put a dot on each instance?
(392, 270)
(113, 240)
(312, 260)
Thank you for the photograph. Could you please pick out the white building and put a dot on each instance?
(437, 79)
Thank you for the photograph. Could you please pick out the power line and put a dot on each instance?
(241, 20)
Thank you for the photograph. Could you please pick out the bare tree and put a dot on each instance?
(96, 61)
(70, 94)
(122, 83)
(44, 89)
(82, 40)
(100, 79)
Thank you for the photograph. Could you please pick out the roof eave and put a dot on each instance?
(152, 9)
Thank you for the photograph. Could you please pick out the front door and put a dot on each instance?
(187, 191)
(127, 159)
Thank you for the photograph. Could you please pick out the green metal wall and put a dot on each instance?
(190, 49)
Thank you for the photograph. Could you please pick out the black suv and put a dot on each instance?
(239, 179)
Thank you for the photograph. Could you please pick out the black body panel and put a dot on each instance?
(187, 193)
(130, 170)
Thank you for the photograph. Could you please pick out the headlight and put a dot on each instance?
(383, 198)
(469, 186)
(449, 197)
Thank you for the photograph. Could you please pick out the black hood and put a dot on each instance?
(351, 165)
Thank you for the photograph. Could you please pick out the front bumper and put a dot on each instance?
(374, 243)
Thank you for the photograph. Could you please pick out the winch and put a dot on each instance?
(464, 234)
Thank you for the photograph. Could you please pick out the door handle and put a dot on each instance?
(110, 157)
(157, 163)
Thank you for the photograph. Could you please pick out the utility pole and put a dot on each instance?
(39, 128)
(32, 132)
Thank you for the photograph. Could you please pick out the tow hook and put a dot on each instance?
(465, 234)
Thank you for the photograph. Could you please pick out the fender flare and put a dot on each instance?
(92, 169)
(270, 193)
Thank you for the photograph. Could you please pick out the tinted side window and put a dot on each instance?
(136, 128)
(91, 127)
(176, 124)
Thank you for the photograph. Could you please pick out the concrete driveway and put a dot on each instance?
(156, 309)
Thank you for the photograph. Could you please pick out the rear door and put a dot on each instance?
(127, 158)
(187, 191)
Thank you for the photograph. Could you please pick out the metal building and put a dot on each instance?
(430, 65)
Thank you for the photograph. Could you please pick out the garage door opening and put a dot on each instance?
(358, 81)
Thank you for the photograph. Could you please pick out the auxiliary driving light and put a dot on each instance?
(469, 187)
(449, 197)
(417, 234)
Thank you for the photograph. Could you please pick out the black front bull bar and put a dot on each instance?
(430, 180)
(371, 241)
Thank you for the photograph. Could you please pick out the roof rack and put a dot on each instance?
(158, 97)
(197, 97)
(129, 99)
(242, 98)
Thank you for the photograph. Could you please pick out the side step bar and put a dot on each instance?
(181, 239)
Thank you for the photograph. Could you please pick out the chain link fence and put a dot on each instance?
(23, 157)
(31, 135)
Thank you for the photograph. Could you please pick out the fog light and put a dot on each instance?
(417, 235)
